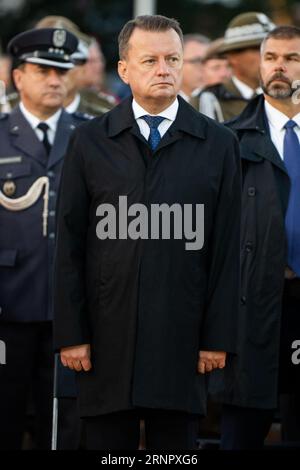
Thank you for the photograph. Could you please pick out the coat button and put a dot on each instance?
(9, 188)
(249, 247)
(251, 191)
(52, 235)
(52, 193)
(243, 300)
(50, 174)
(52, 213)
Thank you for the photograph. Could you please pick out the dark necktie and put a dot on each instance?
(44, 128)
(153, 122)
(291, 153)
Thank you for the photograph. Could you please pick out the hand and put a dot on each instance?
(77, 357)
(209, 360)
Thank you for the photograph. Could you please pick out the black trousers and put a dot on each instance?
(164, 430)
(28, 369)
(244, 428)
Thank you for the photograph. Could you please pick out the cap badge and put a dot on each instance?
(59, 37)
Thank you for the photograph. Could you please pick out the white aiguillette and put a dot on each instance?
(29, 199)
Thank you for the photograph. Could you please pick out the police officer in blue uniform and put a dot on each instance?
(33, 140)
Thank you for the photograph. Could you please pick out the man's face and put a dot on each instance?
(94, 68)
(192, 68)
(245, 65)
(41, 88)
(153, 67)
(73, 80)
(280, 66)
(216, 71)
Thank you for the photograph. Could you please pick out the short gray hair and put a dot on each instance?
(155, 23)
(281, 32)
(200, 38)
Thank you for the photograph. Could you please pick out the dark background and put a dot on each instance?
(104, 18)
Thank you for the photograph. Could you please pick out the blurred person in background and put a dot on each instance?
(5, 70)
(7, 94)
(93, 78)
(242, 40)
(215, 70)
(88, 71)
(5, 65)
(215, 66)
(195, 47)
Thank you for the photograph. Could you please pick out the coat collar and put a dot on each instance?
(65, 127)
(187, 120)
(252, 117)
(259, 144)
(26, 140)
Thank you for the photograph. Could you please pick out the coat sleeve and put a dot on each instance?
(70, 306)
(219, 327)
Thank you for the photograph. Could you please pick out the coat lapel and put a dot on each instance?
(64, 129)
(24, 138)
(256, 144)
(266, 149)
(188, 121)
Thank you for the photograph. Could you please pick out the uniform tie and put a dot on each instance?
(44, 128)
(291, 153)
(153, 122)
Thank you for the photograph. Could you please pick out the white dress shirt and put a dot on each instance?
(73, 106)
(245, 90)
(169, 114)
(34, 122)
(277, 121)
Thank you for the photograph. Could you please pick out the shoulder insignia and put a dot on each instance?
(83, 116)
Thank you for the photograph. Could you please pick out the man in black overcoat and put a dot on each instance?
(143, 310)
(270, 285)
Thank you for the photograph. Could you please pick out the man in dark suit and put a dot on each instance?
(141, 313)
(33, 142)
(268, 131)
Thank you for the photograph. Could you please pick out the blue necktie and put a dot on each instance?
(291, 153)
(153, 122)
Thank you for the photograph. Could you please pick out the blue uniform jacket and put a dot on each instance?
(26, 255)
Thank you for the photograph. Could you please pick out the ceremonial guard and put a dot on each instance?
(33, 139)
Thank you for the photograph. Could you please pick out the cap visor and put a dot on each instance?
(50, 63)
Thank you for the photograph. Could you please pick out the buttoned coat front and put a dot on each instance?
(147, 306)
(266, 188)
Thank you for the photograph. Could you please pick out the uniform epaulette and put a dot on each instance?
(107, 97)
(221, 92)
(83, 116)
